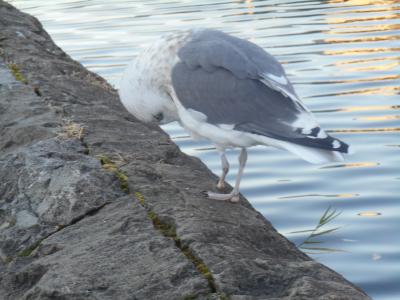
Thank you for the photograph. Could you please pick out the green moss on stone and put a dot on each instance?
(17, 73)
(199, 264)
(28, 250)
(139, 196)
(166, 229)
(169, 231)
(112, 166)
(123, 180)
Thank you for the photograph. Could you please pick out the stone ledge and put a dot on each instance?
(96, 205)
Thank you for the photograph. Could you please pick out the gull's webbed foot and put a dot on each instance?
(223, 197)
(233, 196)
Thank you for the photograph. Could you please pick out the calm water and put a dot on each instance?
(343, 58)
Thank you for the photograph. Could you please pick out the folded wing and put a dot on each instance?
(234, 82)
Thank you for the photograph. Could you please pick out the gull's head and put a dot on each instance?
(147, 84)
(145, 98)
(147, 105)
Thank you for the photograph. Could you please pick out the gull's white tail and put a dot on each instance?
(310, 154)
(314, 155)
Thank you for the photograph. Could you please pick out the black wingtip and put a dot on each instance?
(338, 145)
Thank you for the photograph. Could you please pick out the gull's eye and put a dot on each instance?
(159, 116)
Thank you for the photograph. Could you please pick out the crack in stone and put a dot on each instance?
(169, 231)
(28, 250)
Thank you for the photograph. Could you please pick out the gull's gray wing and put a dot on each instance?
(212, 49)
(235, 82)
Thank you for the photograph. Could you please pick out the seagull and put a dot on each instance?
(229, 91)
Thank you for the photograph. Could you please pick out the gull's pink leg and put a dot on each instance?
(234, 195)
(225, 170)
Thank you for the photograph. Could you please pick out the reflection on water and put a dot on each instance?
(353, 165)
(379, 118)
(361, 51)
(320, 195)
(364, 130)
(343, 58)
(359, 108)
(369, 214)
(386, 91)
(372, 3)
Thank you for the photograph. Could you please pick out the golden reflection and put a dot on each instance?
(363, 39)
(388, 77)
(353, 165)
(250, 8)
(360, 108)
(380, 18)
(321, 195)
(360, 51)
(367, 60)
(367, 130)
(369, 214)
(347, 195)
(364, 29)
(372, 108)
(374, 7)
(362, 11)
(379, 118)
(381, 12)
(384, 67)
(382, 91)
(365, 2)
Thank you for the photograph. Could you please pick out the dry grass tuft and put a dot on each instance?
(73, 130)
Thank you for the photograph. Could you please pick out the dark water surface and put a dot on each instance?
(343, 58)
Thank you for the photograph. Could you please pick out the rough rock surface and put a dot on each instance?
(96, 205)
